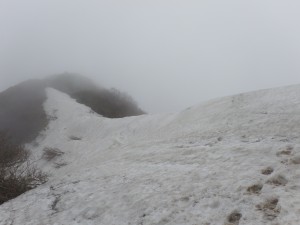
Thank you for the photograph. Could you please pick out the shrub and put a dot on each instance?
(17, 173)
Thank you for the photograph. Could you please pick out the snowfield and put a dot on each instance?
(229, 161)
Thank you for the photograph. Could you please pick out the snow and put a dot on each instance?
(191, 167)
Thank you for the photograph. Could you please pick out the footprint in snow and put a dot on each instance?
(255, 189)
(278, 180)
(288, 151)
(270, 208)
(233, 218)
(295, 159)
(267, 171)
(285, 152)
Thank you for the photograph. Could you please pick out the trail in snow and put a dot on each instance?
(234, 160)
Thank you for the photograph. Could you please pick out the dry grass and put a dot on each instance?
(60, 165)
(51, 153)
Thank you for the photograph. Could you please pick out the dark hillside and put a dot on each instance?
(21, 110)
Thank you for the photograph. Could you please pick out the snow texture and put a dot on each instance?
(229, 161)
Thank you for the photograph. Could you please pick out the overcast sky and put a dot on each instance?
(167, 54)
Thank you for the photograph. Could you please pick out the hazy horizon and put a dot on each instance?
(168, 55)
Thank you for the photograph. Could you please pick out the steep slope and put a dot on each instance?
(233, 160)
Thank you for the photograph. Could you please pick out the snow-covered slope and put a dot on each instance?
(234, 160)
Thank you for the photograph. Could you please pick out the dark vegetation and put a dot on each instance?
(109, 103)
(17, 173)
(21, 107)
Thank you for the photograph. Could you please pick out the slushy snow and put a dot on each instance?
(229, 161)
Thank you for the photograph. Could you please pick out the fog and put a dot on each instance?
(167, 54)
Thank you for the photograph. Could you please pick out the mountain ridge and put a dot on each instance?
(232, 160)
(22, 114)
